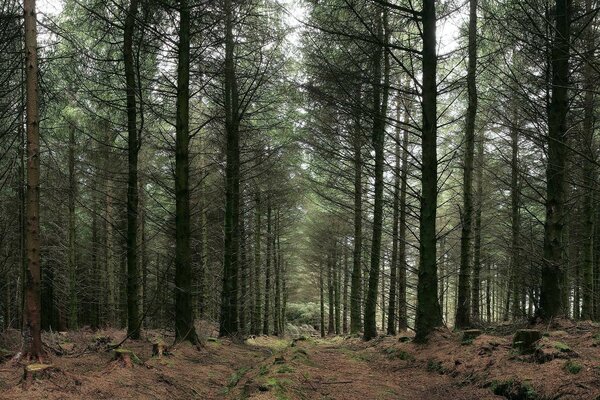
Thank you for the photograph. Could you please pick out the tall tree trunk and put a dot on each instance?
(267, 306)
(476, 288)
(356, 289)
(72, 267)
(330, 297)
(444, 279)
(337, 295)
(515, 220)
(243, 281)
(428, 308)
(229, 306)
(463, 308)
(345, 290)
(277, 277)
(32, 324)
(402, 257)
(391, 326)
(553, 275)
(322, 298)
(184, 310)
(133, 321)
(380, 98)
(257, 312)
(587, 311)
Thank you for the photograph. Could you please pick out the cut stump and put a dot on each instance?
(525, 340)
(33, 372)
(124, 357)
(159, 349)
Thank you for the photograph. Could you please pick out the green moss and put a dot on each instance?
(514, 390)
(572, 367)
(562, 347)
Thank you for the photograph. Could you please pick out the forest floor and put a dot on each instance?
(566, 365)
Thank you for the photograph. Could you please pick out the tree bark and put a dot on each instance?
(515, 220)
(380, 98)
(553, 275)
(229, 306)
(394, 267)
(463, 309)
(587, 311)
(428, 308)
(267, 306)
(72, 267)
(257, 312)
(133, 322)
(356, 289)
(184, 311)
(32, 321)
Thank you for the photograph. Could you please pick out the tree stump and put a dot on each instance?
(32, 372)
(124, 357)
(159, 349)
(525, 339)
(470, 334)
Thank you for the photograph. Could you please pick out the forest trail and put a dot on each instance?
(308, 367)
(348, 369)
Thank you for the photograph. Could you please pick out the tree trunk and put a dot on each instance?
(277, 270)
(337, 295)
(356, 289)
(463, 309)
(402, 257)
(476, 288)
(257, 312)
(72, 267)
(32, 324)
(391, 326)
(243, 281)
(587, 311)
(553, 275)
(380, 98)
(330, 290)
(322, 298)
(133, 321)
(428, 308)
(267, 306)
(184, 311)
(345, 290)
(515, 219)
(229, 306)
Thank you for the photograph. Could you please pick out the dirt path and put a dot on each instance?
(332, 369)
